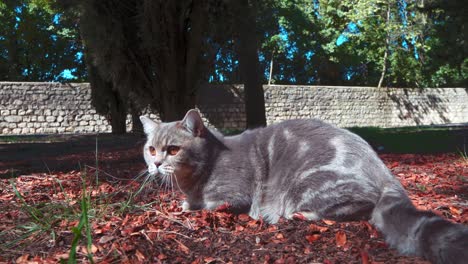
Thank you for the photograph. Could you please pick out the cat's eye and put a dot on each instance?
(152, 151)
(173, 150)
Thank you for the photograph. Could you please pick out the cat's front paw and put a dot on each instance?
(185, 207)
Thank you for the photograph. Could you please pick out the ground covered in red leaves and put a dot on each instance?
(56, 187)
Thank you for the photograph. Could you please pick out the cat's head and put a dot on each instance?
(176, 151)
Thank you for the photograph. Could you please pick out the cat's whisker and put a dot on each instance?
(164, 181)
(172, 182)
(177, 182)
(141, 174)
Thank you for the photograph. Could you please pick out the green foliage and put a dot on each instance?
(38, 41)
(425, 44)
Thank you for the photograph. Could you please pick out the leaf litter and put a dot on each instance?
(37, 221)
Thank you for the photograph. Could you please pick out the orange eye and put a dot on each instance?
(173, 150)
(152, 151)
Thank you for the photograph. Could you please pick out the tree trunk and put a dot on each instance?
(271, 70)
(387, 44)
(14, 68)
(249, 65)
(182, 68)
(118, 112)
(137, 126)
(106, 100)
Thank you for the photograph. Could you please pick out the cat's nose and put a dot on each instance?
(157, 164)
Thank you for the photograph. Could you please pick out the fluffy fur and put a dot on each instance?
(305, 167)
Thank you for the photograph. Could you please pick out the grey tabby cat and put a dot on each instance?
(304, 168)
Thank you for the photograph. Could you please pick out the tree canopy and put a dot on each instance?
(311, 42)
(157, 52)
(39, 41)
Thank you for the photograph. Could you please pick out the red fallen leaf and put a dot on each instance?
(124, 222)
(252, 223)
(312, 238)
(244, 218)
(60, 256)
(299, 216)
(239, 228)
(318, 228)
(280, 261)
(196, 261)
(139, 256)
(272, 228)
(225, 206)
(126, 231)
(209, 259)
(364, 257)
(162, 256)
(127, 247)
(23, 259)
(84, 249)
(183, 247)
(280, 236)
(394, 164)
(455, 211)
(328, 222)
(106, 227)
(340, 237)
(373, 232)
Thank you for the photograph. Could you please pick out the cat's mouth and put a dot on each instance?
(166, 170)
(167, 176)
(162, 170)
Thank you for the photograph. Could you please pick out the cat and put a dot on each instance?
(297, 168)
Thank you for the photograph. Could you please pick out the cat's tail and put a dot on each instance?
(421, 233)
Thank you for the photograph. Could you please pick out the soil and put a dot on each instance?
(40, 221)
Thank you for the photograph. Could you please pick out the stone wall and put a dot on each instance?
(47, 108)
(342, 106)
(44, 108)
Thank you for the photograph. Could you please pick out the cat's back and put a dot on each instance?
(312, 141)
(303, 132)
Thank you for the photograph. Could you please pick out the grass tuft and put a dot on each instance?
(83, 224)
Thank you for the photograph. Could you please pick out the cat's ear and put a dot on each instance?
(193, 123)
(149, 126)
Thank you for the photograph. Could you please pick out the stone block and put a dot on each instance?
(26, 130)
(50, 130)
(13, 118)
(50, 118)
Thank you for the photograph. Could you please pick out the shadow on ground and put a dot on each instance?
(116, 154)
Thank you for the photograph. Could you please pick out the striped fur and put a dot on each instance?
(298, 166)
